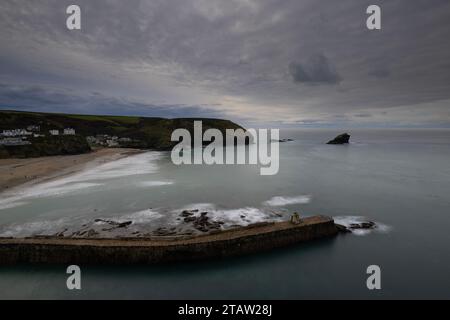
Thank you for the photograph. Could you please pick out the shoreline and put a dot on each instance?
(119, 251)
(16, 172)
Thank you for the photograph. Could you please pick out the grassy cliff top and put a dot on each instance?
(152, 132)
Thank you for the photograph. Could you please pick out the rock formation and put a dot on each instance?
(354, 226)
(340, 139)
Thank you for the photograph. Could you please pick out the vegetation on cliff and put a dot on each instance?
(47, 146)
(143, 132)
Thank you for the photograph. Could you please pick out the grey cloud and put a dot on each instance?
(362, 115)
(38, 98)
(379, 73)
(316, 70)
(189, 53)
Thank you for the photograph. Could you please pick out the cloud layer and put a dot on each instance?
(268, 61)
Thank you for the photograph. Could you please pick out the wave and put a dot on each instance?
(11, 203)
(79, 182)
(155, 183)
(143, 216)
(199, 206)
(48, 189)
(33, 228)
(240, 216)
(348, 220)
(280, 201)
(133, 165)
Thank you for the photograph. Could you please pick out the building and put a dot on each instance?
(112, 143)
(14, 141)
(54, 132)
(34, 128)
(16, 133)
(69, 132)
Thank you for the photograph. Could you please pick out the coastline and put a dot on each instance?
(18, 172)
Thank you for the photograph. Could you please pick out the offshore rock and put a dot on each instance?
(340, 139)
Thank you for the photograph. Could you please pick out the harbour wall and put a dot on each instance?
(235, 242)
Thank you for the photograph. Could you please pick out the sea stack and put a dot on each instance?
(340, 139)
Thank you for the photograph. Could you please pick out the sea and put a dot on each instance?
(398, 178)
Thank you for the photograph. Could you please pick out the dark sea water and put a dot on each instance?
(397, 178)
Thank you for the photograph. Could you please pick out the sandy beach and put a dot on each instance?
(15, 172)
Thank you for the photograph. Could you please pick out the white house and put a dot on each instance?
(69, 132)
(54, 132)
(34, 128)
(14, 141)
(16, 133)
(112, 143)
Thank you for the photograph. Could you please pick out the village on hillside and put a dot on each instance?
(20, 137)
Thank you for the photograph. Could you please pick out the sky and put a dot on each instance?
(261, 63)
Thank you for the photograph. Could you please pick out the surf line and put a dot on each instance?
(252, 147)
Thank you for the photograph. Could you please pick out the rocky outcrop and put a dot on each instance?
(114, 224)
(366, 225)
(363, 225)
(200, 222)
(340, 139)
(283, 140)
(342, 229)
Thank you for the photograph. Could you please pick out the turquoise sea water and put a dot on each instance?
(398, 178)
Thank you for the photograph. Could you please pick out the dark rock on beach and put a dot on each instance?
(200, 222)
(356, 226)
(340, 139)
(115, 224)
(187, 213)
(165, 232)
(363, 225)
(283, 140)
(342, 229)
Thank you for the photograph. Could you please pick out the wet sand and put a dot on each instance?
(16, 172)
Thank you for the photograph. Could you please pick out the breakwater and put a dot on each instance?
(221, 244)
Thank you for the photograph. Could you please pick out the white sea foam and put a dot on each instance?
(143, 216)
(81, 181)
(133, 165)
(199, 206)
(241, 216)
(8, 203)
(58, 190)
(155, 183)
(48, 189)
(33, 228)
(280, 201)
(348, 220)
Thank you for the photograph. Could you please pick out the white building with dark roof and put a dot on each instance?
(69, 132)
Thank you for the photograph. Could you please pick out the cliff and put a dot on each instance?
(143, 132)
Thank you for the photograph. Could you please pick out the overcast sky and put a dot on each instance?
(258, 62)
